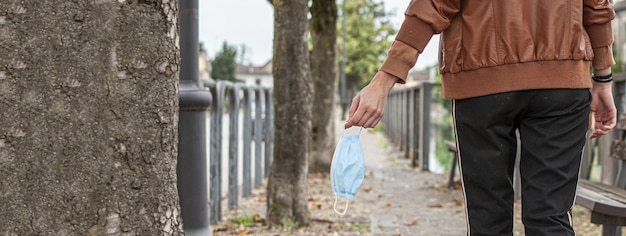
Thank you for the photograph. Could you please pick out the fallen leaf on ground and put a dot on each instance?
(243, 231)
(436, 205)
(335, 226)
(220, 229)
(389, 205)
(258, 219)
(457, 202)
(231, 224)
(413, 223)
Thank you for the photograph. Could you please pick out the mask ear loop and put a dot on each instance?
(344, 132)
(344, 210)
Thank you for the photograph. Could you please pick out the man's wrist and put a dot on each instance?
(385, 79)
(602, 72)
(602, 78)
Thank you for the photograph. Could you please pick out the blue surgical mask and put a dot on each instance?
(347, 169)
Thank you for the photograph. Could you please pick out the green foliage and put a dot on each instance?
(290, 223)
(223, 66)
(244, 221)
(368, 37)
(444, 132)
(617, 68)
(443, 129)
(383, 142)
(379, 128)
(361, 227)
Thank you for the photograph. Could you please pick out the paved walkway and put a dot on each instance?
(394, 199)
(402, 200)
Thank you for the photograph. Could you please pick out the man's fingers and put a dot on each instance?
(356, 116)
(602, 128)
(374, 118)
(354, 106)
(364, 116)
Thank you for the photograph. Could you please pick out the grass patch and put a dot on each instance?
(379, 127)
(246, 220)
(383, 142)
(361, 227)
(290, 223)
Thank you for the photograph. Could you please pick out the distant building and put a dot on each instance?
(415, 78)
(204, 65)
(248, 74)
(253, 75)
(418, 76)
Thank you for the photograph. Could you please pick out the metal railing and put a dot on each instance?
(407, 124)
(256, 127)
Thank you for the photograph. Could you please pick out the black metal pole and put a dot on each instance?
(194, 101)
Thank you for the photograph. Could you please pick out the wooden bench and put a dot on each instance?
(452, 148)
(608, 202)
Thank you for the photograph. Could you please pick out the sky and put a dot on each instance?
(250, 23)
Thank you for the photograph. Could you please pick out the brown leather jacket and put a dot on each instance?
(498, 46)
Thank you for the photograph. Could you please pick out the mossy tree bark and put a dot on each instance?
(323, 28)
(88, 117)
(293, 88)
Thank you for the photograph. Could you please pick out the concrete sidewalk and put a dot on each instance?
(394, 199)
(400, 200)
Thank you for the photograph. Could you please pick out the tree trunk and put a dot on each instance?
(287, 185)
(88, 117)
(323, 30)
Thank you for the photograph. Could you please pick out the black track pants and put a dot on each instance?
(552, 125)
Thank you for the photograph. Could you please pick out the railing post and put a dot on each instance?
(193, 102)
(411, 128)
(269, 130)
(416, 126)
(425, 124)
(407, 122)
(385, 120)
(398, 118)
(247, 141)
(258, 135)
(402, 124)
(388, 115)
(417, 106)
(233, 146)
(215, 168)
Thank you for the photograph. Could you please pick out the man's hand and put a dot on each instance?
(602, 109)
(368, 106)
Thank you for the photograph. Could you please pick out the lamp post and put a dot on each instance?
(194, 101)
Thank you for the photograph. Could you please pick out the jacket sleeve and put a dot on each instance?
(597, 16)
(423, 18)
